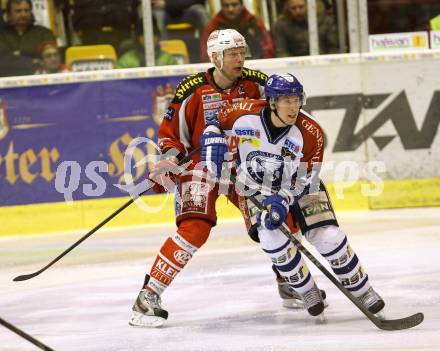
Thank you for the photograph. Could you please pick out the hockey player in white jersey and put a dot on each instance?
(280, 150)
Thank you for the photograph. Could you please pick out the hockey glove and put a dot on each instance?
(164, 175)
(214, 147)
(275, 212)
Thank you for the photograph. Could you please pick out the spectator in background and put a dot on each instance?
(20, 40)
(50, 59)
(2, 20)
(177, 11)
(135, 57)
(234, 15)
(291, 31)
(102, 21)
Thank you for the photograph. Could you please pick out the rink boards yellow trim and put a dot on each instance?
(84, 215)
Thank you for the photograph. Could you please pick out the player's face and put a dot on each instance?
(233, 61)
(288, 108)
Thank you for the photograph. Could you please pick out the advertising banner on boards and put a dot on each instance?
(82, 124)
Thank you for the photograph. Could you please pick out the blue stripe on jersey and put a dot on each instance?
(347, 268)
(304, 282)
(278, 249)
(292, 264)
(341, 245)
(360, 286)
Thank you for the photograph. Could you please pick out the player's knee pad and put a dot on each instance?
(327, 239)
(271, 240)
(195, 231)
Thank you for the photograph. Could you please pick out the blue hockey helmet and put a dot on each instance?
(284, 85)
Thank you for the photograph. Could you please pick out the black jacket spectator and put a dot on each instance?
(20, 40)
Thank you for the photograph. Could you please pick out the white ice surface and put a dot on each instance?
(226, 298)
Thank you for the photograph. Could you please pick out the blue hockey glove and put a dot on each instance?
(275, 212)
(214, 147)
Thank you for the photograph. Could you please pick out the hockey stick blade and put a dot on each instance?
(27, 276)
(399, 324)
(182, 162)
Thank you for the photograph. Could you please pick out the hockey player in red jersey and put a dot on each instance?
(196, 102)
(280, 150)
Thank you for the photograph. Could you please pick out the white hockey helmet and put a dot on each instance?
(221, 40)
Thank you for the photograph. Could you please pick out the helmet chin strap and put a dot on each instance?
(273, 108)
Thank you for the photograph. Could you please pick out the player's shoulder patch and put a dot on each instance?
(254, 75)
(187, 86)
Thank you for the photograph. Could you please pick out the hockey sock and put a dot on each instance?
(176, 252)
(332, 243)
(287, 260)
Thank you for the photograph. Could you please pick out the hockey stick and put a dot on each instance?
(384, 324)
(25, 335)
(100, 225)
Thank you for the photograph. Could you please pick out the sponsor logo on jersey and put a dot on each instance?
(264, 166)
(315, 208)
(250, 132)
(237, 100)
(187, 84)
(291, 149)
(250, 140)
(239, 106)
(169, 114)
(182, 256)
(241, 90)
(211, 97)
(212, 105)
(257, 75)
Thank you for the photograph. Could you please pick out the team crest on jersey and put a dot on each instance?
(247, 132)
(265, 167)
(291, 149)
(169, 114)
(211, 97)
(194, 197)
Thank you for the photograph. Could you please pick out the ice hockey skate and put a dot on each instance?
(290, 298)
(372, 301)
(313, 302)
(147, 311)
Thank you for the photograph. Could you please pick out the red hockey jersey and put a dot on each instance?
(196, 101)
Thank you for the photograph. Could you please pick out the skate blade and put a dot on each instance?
(321, 319)
(140, 320)
(293, 304)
